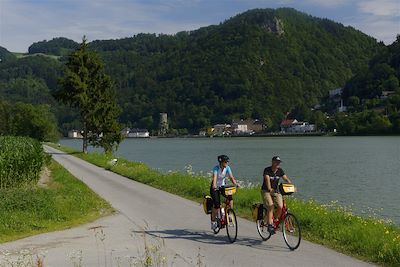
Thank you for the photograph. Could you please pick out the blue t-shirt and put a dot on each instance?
(221, 174)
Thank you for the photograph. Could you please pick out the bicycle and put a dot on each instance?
(226, 216)
(290, 225)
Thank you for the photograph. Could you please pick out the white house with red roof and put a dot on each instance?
(287, 123)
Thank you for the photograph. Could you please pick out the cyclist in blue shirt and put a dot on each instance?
(219, 175)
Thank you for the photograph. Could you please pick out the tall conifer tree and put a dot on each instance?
(85, 86)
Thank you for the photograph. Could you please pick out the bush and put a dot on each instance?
(21, 161)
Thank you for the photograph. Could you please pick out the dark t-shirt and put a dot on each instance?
(274, 177)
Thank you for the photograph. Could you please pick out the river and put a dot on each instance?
(358, 172)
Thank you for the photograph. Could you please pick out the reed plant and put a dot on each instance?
(21, 161)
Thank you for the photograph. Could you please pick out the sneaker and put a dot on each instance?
(214, 225)
(271, 229)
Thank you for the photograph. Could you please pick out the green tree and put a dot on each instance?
(353, 103)
(319, 118)
(21, 119)
(268, 123)
(85, 86)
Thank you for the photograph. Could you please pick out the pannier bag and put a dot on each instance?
(207, 204)
(257, 211)
(287, 189)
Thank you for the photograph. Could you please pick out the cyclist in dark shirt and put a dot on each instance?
(270, 192)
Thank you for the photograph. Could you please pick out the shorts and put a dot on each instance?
(216, 197)
(270, 198)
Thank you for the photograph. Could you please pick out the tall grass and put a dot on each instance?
(21, 161)
(331, 225)
(66, 202)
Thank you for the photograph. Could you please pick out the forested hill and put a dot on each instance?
(382, 74)
(258, 64)
(6, 55)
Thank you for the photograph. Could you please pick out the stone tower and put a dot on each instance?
(163, 127)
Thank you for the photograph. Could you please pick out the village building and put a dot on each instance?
(75, 134)
(222, 129)
(341, 108)
(336, 93)
(135, 133)
(295, 126)
(287, 123)
(387, 94)
(138, 133)
(125, 132)
(247, 127)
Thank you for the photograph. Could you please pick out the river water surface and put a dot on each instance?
(362, 172)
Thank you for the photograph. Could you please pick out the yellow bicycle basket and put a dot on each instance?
(287, 189)
(229, 191)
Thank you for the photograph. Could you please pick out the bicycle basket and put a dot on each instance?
(207, 204)
(257, 211)
(287, 189)
(229, 191)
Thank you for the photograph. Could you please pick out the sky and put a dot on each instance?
(23, 22)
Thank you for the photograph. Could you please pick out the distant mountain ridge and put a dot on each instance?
(260, 64)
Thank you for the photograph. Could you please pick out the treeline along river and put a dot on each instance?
(359, 172)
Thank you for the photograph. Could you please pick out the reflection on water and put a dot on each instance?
(358, 171)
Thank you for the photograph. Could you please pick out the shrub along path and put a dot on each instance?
(184, 226)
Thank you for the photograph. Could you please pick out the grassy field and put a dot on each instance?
(336, 227)
(22, 55)
(65, 202)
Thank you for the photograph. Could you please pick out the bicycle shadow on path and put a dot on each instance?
(209, 238)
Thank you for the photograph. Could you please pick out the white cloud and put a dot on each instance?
(22, 23)
(327, 3)
(380, 7)
(382, 29)
(380, 19)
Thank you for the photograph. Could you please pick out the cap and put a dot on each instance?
(276, 158)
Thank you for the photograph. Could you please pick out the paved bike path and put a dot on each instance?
(181, 223)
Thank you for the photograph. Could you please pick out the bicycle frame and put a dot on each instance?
(225, 206)
(291, 228)
(278, 221)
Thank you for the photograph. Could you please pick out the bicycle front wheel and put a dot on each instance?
(231, 225)
(291, 231)
(262, 227)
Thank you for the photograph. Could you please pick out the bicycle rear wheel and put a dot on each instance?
(262, 227)
(291, 231)
(231, 225)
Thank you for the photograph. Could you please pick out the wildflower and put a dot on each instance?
(387, 232)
